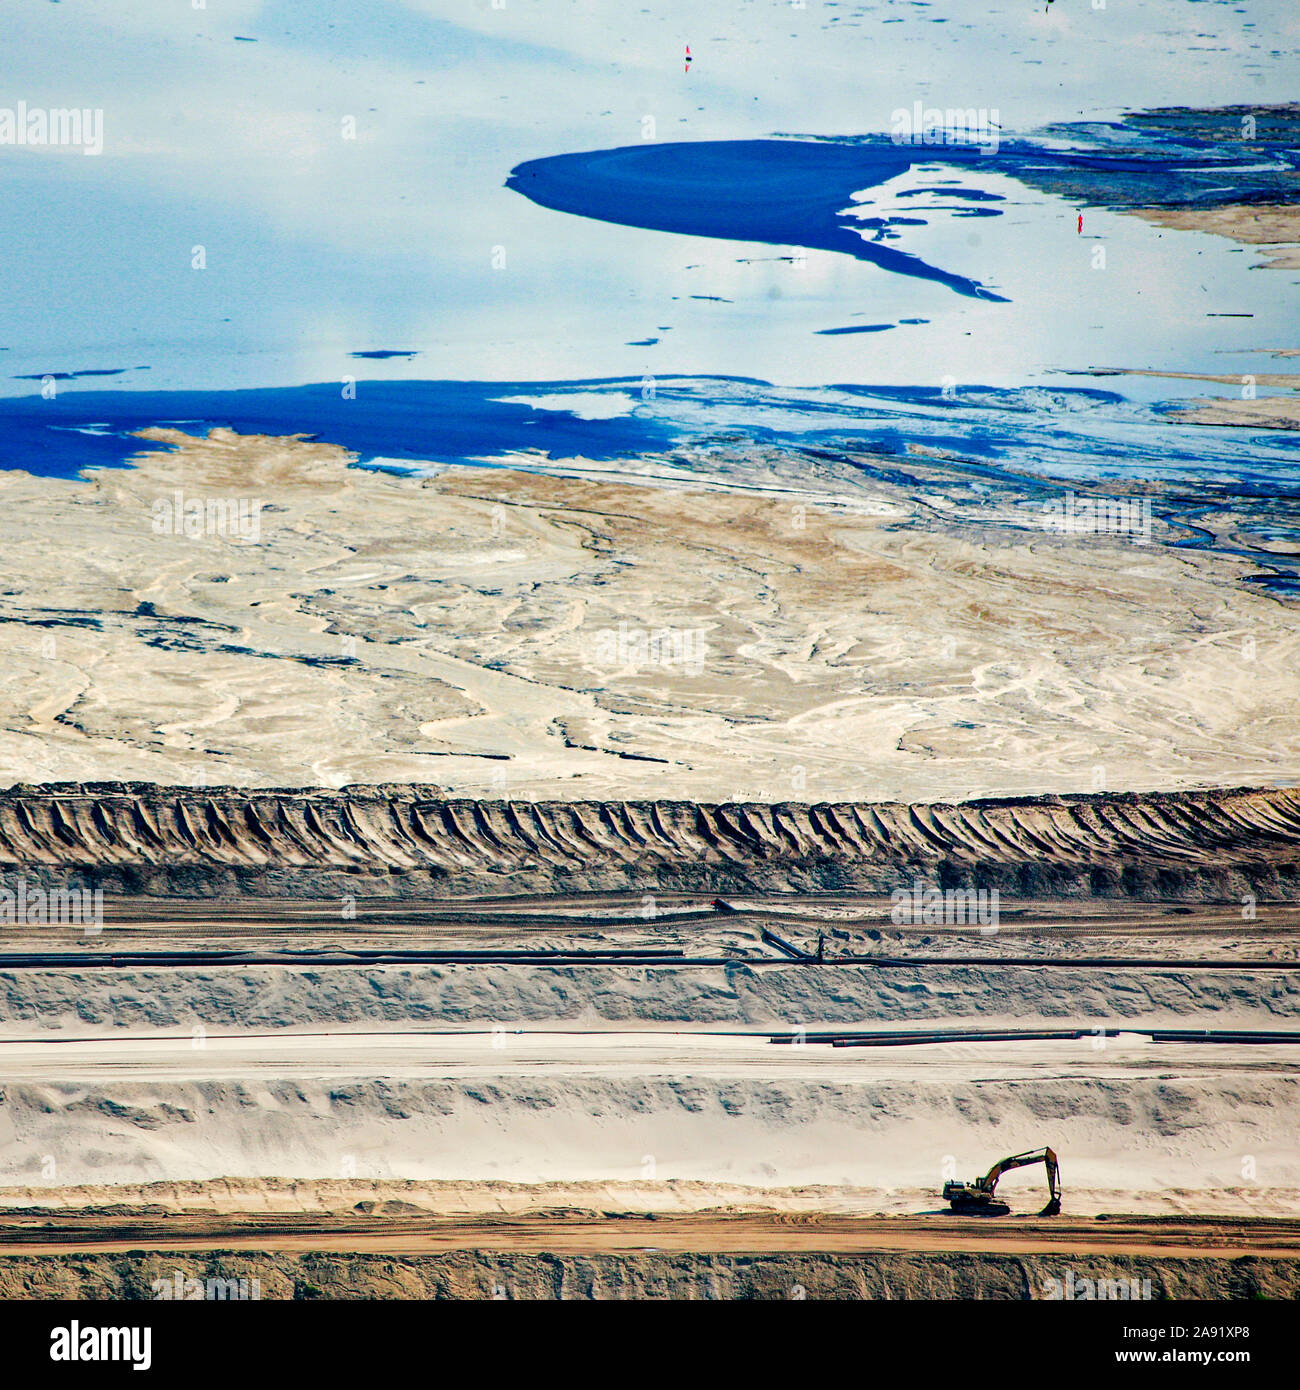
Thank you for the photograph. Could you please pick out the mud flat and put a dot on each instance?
(507, 635)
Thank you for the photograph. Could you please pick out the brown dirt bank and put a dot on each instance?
(404, 841)
(467, 1274)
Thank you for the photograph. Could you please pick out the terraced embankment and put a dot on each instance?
(405, 841)
(298, 985)
(469, 1274)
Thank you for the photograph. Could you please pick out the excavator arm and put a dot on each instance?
(1006, 1165)
(979, 1195)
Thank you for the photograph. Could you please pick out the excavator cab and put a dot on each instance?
(979, 1198)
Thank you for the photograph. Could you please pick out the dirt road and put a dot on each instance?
(720, 1053)
(580, 1233)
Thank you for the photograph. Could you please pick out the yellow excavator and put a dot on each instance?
(977, 1198)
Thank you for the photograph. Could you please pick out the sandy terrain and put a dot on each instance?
(358, 1206)
(1262, 413)
(1167, 1125)
(487, 631)
(66, 1002)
